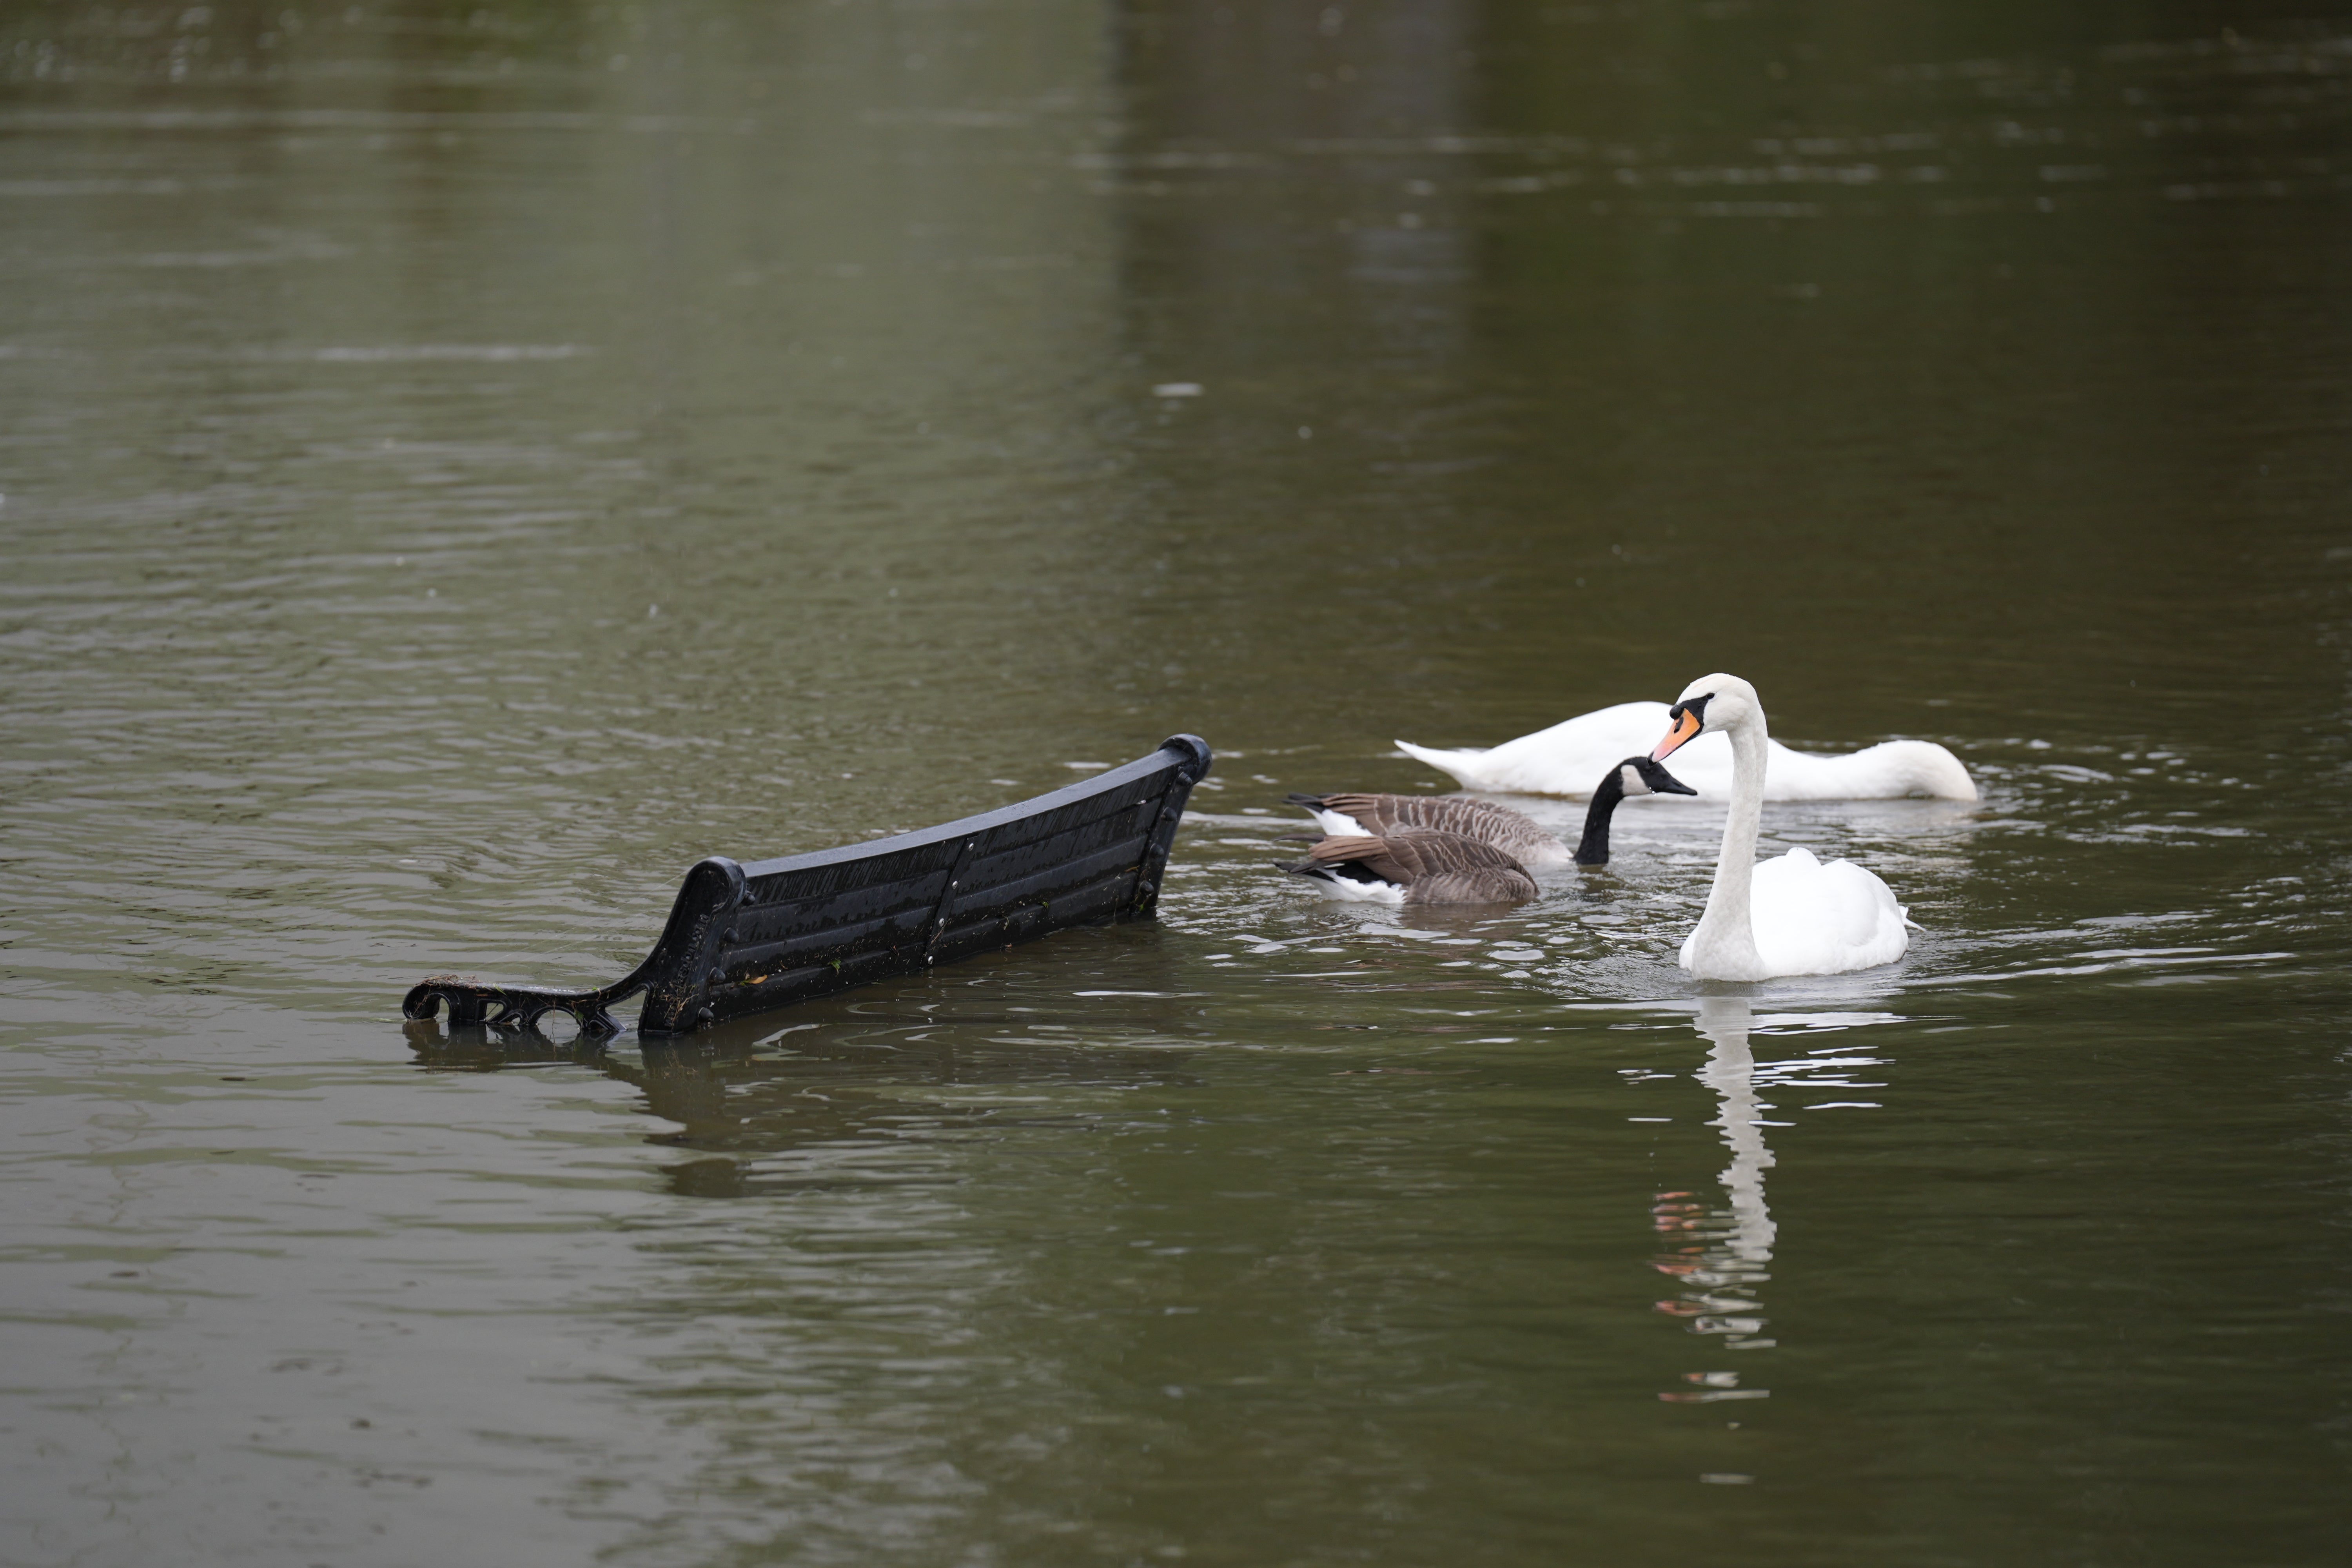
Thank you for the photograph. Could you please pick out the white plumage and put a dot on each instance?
(1814, 918)
(1348, 891)
(1567, 758)
(1793, 915)
(1338, 824)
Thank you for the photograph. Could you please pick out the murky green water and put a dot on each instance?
(464, 463)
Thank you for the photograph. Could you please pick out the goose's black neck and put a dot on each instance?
(1594, 849)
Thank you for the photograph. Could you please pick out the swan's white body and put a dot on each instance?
(1810, 918)
(1567, 758)
(1789, 916)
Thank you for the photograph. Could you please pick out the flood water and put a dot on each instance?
(465, 462)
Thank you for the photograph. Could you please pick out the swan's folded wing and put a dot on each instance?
(1888, 771)
(1816, 919)
(1867, 906)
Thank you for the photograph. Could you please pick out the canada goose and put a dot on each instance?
(1791, 915)
(1516, 834)
(1634, 775)
(1566, 758)
(1415, 866)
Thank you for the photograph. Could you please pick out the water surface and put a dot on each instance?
(462, 464)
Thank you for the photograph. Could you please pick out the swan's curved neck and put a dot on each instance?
(1594, 849)
(1723, 946)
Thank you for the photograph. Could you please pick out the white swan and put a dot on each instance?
(1789, 916)
(1567, 758)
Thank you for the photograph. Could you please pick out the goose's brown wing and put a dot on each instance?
(1497, 825)
(1372, 854)
(1488, 885)
(1412, 856)
(1454, 868)
(1425, 853)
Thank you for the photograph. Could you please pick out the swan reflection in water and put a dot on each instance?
(1731, 1256)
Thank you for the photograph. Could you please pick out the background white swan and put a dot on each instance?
(1567, 758)
(1789, 916)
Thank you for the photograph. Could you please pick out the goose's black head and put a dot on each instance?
(1640, 775)
(1634, 775)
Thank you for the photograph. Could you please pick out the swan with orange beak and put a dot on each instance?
(1793, 915)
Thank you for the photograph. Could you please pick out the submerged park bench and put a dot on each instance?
(742, 939)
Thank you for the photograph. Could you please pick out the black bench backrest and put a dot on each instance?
(745, 938)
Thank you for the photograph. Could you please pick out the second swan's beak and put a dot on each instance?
(1686, 724)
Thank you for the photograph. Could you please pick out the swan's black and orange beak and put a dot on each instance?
(1688, 718)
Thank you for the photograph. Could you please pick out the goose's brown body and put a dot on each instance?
(1430, 868)
(1517, 834)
